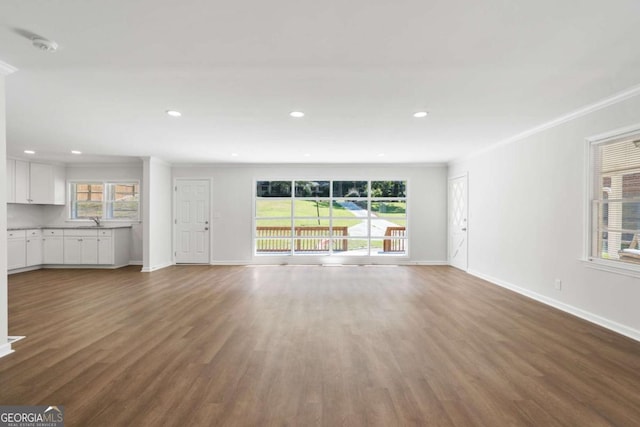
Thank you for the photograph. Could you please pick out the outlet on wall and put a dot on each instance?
(558, 285)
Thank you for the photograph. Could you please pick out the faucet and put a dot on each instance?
(95, 219)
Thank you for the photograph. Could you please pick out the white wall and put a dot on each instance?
(527, 220)
(157, 214)
(4, 302)
(232, 207)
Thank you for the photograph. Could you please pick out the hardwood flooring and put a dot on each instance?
(307, 346)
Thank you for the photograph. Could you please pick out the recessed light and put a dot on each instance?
(307, 154)
(234, 154)
(29, 152)
(420, 114)
(174, 113)
(76, 152)
(296, 114)
(380, 154)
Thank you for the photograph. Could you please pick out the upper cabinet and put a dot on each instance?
(35, 183)
(11, 181)
(21, 181)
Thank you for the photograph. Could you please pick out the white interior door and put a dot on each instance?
(192, 221)
(458, 227)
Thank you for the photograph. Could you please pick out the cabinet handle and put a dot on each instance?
(79, 240)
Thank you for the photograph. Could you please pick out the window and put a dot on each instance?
(615, 202)
(324, 217)
(107, 200)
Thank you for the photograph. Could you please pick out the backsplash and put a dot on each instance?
(26, 215)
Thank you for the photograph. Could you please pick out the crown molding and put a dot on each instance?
(240, 165)
(587, 109)
(6, 69)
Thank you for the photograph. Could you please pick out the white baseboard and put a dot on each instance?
(83, 266)
(24, 269)
(388, 261)
(136, 263)
(426, 263)
(156, 267)
(578, 312)
(5, 349)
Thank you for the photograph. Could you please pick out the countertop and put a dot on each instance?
(70, 227)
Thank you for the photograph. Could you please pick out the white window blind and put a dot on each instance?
(615, 205)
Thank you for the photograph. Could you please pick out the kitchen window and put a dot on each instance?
(118, 201)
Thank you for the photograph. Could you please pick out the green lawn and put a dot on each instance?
(310, 208)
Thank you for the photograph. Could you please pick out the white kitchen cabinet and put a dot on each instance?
(46, 184)
(80, 247)
(69, 246)
(72, 250)
(105, 250)
(34, 247)
(22, 182)
(36, 183)
(90, 250)
(52, 246)
(11, 181)
(16, 249)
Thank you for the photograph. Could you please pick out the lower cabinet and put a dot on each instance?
(16, 249)
(105, 250)
(52, 247)
(24, 248)
(97, 247)
(34, 247)
(80, 250)
(76, 247)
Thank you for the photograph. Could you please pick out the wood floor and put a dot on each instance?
(307, 346)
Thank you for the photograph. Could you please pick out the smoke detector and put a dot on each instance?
(44, 44)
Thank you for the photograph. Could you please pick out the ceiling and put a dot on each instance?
(485, 71)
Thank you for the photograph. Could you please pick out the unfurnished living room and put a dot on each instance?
(338, 213)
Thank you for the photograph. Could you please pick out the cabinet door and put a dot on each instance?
(73, 250)
(89, 250)
(22, 182)
(59, 186)
(105, 250)
(34, 251)
(41, 184)
(52, 250)
(11, 181)
(17, 250)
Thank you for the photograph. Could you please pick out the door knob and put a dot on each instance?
(206, 228)
(464, 229)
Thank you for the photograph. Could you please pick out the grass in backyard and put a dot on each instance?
(393, 211)
(308, 208)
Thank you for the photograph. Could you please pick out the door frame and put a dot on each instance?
(464, 175)
(174, 219)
